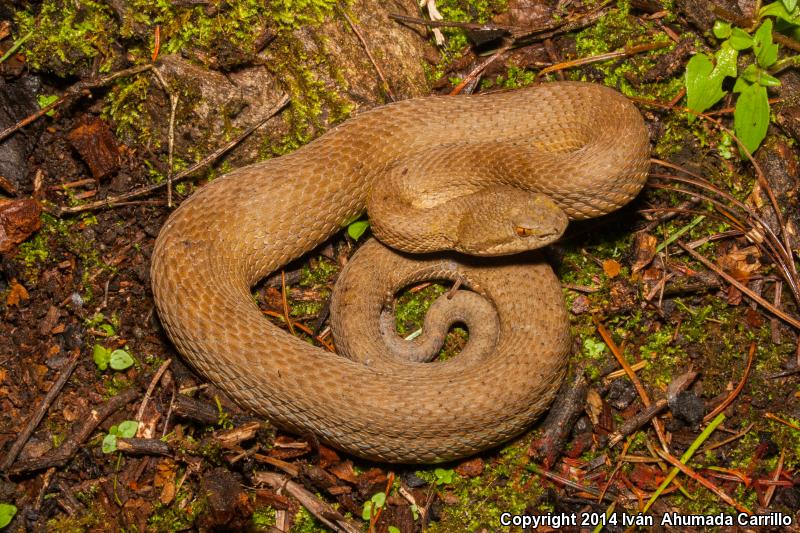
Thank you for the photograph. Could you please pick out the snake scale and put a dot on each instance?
(486, 175)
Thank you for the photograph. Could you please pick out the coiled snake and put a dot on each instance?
(486, 175)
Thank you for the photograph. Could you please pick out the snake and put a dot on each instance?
(460, 189)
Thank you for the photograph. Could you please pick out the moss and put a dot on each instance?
(411, 307)
(505, 485)
(291, 14)
(263, 518)
(455, 39)
(304, 522)
(314, 107)
(68, 36)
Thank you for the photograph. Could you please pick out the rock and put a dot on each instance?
(17, 101)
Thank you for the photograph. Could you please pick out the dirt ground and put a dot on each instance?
(683, 304)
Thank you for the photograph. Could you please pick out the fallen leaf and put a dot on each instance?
(18, 220)
(471, 468)
(611, 267)
(645, 250)
(16, 294)
(97, 146)
(594, 406)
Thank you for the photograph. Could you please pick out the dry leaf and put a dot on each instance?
(18, 219)
(611, 267)
(594, 406)
(645, 249)
(16, 294)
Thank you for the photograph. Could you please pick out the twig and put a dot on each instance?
(632, 376)
(173, 106)
(64, 453)
(14, 47)
(151, 388)
(732, 396)
(34, 421)
(321, 510)
(147, 189)
(730, 439)
(569, 483)
(637, 421)
(782, 421)
(369, 55)
(561, 418)
(685, 457)
(775, 477)
(73, 92)
(730, 279)
(680, 465)
(285, 302)
(623, 52)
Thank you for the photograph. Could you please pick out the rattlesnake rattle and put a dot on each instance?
(486, 175)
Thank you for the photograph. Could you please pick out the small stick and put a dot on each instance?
(730, 279)
(144, 447)
(72, 92)
(321, 510)
(34, 421)
(151, 388)
(624, 52)
(286, 303)
(369, 55)
(635, 422)
(671, 459)
(721, 407)
(173, 106)
(632, 376)
(147, 189)
(64, 453)
(730, 439)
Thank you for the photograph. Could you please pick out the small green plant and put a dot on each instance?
(706, 74)
(125, 430)
(444, 476)
(372, 505)
(116, 359)
(704, 79)
(357, 229)
(7, 512)
(45, 100)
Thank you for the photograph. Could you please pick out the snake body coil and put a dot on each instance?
(584, 146)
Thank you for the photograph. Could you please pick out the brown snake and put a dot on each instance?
(457, 169)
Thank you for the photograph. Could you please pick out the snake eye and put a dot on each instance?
(523, 231)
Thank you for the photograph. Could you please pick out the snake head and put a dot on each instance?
(506, 220)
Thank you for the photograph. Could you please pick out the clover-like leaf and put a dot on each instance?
(109, 443)
(127, 429)
(367, 512)
(120, 360)
(101, 356)
(722, 29)
(443, 477)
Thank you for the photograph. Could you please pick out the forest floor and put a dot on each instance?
(683, 305)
